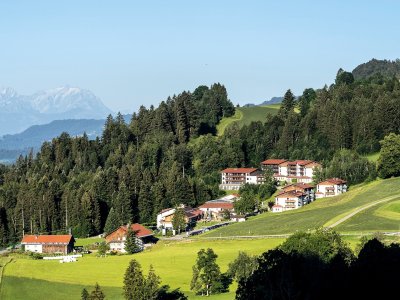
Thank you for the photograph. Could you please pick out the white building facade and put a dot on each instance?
(331, 187)
(234, 178)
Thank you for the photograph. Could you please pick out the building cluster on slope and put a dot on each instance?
(297, 174)
(211, 210)
(282, 171)
(298, 192)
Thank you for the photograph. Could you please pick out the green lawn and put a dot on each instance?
(256, 113)
(88, 241)
(322, 212)
(37, 279)
(226, 121)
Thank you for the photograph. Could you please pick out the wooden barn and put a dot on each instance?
(48, 243)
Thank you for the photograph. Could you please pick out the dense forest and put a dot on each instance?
(378, 68)
(171, 154)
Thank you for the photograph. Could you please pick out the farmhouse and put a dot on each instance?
(48, 243)
(234, 178)
(117, 238)
(289, 200)
(331, 187)
(291, 171)
(165, 217)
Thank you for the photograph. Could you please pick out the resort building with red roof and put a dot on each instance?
(331, 187)
(234, 178)
(289, 200)
(291, 171)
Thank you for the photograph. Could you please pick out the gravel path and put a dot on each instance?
(345, 218)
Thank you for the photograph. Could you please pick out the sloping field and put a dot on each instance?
(327, 211)
(386, 215)
(38, 279)
(246, 115)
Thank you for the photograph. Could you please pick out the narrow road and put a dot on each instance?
(345, 218)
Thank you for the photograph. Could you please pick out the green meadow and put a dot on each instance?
(326, 211)
(246, 115)
(25, 278)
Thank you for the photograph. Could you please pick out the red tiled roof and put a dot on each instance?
(290, 194)
(47, 239)
(194, 213)
(140, 230)
(277, 205)
(273, 161)
(301, 162)
(223, 205)
(313, 164)
(239, 170)
(333, 181)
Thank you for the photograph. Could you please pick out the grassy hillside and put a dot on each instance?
(386, 215)
(324, 212)
(246, 115)
(37, 279)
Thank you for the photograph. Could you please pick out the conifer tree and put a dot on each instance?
(85, 294)
(134, 282)
(152, 285)
(97, 293)
(112, 222)
(145, 201)
(131, 245)
(122, 204)
(287, 104)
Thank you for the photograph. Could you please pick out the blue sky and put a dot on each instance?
(131, 53)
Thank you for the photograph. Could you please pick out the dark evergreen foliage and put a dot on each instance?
(137, 169)
(318, 267)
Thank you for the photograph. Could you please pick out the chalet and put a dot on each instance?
(215, 209)
(234, 178)
(305, 188)
(165, 217)
(331, 187)
(116, 239)
(289, 200)
(291, 171)
(48, 243)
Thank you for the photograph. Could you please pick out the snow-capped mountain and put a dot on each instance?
(18, 112)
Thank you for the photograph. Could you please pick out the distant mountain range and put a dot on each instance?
(13, 145)
(273, 100)
(18, 112)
